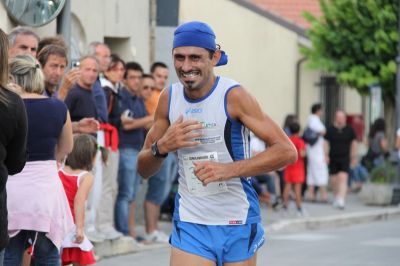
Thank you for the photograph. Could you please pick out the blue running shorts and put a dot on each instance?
(219, 243)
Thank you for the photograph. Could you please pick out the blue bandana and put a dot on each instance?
(197, 34)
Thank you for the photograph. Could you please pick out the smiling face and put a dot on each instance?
(194, 67)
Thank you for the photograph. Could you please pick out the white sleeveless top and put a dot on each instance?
(224, 140)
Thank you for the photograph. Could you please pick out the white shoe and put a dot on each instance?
(157, 236)
(302, 212)
(95, 236)
(137, 244)
(111, 234)
(339, 203)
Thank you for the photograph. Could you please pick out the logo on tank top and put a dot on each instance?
(191, 110)
(207, 125)
(235, 222)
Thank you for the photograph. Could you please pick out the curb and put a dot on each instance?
(121, 246)
(116, 247)
(314, 223)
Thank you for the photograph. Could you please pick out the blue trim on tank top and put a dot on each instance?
(169, 102)
(226, 102)
(176, 215)
(204, 97)
(237, 141)
(253, 212)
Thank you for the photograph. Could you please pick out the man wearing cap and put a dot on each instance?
(207, 120)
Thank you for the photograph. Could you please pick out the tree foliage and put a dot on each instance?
(356, 40)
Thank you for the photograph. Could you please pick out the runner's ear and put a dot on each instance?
(216, 57)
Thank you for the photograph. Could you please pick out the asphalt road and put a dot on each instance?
(376, 243)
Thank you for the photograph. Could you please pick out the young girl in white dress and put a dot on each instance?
(77, 179)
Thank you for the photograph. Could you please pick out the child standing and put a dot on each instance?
(294, 174)
(77, 181)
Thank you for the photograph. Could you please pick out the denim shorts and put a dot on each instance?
(159, 185)
(44, 251)
(2, 256)
(218, 243)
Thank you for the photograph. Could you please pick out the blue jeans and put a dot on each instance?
(159, 185)
(358, 174)
(2, 257)
(264, 179)
(45, 252)
(128, 185)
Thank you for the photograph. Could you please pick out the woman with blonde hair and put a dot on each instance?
(38, 208)
(13, 132)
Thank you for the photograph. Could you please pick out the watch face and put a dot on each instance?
(154, 149)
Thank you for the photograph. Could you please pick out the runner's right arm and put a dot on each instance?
(169, 137)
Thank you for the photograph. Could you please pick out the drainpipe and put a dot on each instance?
(297, 92)
(153, 25)
(64, 25)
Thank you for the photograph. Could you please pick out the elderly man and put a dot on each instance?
(22, 40)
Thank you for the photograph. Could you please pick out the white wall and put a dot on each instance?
(115, 19)
(352, 101)
(163, 52)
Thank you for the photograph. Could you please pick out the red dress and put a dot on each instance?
(295, 173)
(72, 252)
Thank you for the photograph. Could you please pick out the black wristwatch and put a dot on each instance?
(155, 152)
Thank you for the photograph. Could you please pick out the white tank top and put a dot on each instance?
(224, 140)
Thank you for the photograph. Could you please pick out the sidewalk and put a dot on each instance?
(318, 216)
(321, 215)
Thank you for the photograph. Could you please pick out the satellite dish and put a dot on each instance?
(33, 13)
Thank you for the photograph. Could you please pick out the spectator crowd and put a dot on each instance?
(70, 194)
(82, 124)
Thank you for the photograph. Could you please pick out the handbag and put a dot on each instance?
(310, 136)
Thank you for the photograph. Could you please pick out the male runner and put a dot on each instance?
(207, 119)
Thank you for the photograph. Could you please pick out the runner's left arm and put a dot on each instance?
(243, 107)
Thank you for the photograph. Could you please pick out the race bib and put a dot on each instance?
(195, 186)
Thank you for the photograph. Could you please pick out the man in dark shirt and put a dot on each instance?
(53, 58)
(79, 100)
(102, 52)
(131, 129)
(342, 152)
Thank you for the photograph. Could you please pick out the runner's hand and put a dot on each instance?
(180, 134)
(208, 172)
